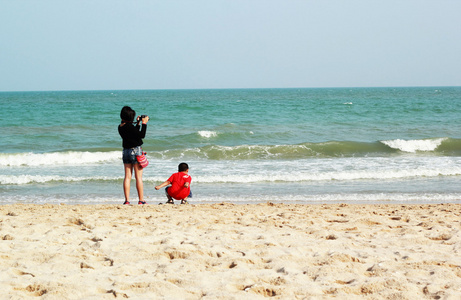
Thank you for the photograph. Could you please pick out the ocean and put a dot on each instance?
(319, 145)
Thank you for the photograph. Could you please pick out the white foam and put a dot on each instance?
(207, 134)
(57, 158)
(414, 145)
(329, 176)
(27, 179)
(316, 170)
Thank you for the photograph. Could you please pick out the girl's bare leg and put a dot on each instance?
(127, 181)
(139, 184)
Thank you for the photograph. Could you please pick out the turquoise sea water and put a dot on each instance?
(254, 145)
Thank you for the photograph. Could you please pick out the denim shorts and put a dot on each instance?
(129, 155)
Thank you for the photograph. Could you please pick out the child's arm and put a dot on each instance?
(162, 185)
(188, 182)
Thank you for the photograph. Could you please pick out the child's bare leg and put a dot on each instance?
(170, 199)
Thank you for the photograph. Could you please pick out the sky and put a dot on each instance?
(207, 44)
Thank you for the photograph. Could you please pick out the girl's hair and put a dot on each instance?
(127, 114)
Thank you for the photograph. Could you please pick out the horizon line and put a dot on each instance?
(234, 88)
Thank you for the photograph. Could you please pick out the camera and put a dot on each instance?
(139, 119)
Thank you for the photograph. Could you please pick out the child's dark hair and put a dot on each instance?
(127, 114)
(183, 167)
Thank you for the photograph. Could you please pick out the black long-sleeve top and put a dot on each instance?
(131, 135)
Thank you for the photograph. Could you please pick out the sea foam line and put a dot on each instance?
(246, 199)
(329, 176)
(251, 178)
(27, 179)
(57, 158)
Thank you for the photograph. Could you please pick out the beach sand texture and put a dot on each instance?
(227, 251)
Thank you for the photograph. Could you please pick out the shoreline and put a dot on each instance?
(162, 201)
(231, 251)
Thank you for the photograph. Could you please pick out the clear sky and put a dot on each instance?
(189, 44)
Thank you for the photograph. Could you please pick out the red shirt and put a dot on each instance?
(177, 189)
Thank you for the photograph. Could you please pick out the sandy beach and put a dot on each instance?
(227, 251)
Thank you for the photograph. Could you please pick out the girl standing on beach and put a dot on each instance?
(132, 140)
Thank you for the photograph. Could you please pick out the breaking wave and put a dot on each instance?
(413, 146)
(332, 149)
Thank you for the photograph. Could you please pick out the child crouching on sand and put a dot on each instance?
(180, 185)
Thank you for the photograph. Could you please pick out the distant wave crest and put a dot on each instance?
(207, 134)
